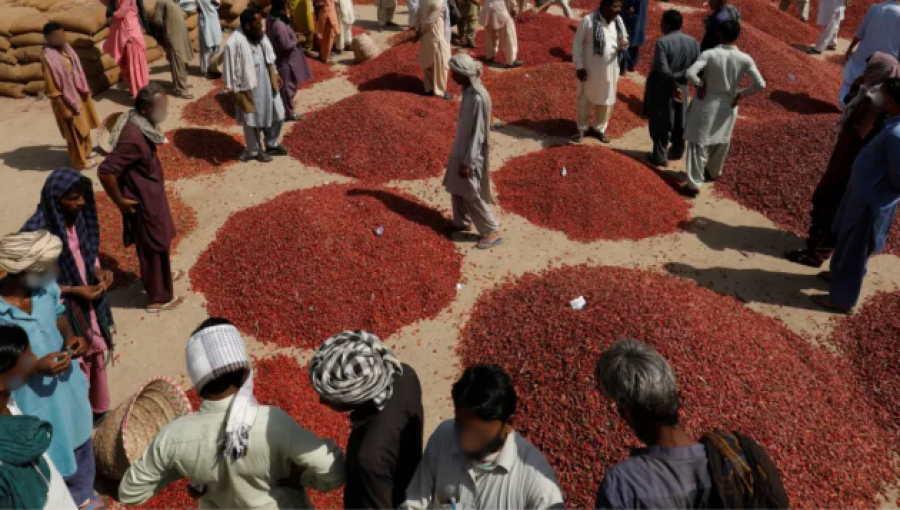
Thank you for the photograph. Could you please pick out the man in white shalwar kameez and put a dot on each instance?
(385, 14)
(712, 113)
(468, 177)
(250, 74)
(600, 38)
(434, 49)
(210, 33)
(346, 18)
(500, 30)
(879, 31)
(412, 11)
(831, 13)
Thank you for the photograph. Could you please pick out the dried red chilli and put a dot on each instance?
(736, 370)
(778, 179)
(395, 69)
(123, 261)
(330, 270)
(377, 136)
(195, 151)
(543, 99)
(635, 201)
(543, 39)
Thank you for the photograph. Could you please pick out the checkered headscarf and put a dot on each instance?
(354, 367)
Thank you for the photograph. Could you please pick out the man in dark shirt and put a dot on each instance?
(720, 10)
(355, 372)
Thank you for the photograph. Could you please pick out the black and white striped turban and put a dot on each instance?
(354, 367)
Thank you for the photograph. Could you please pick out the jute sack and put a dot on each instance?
(233, 9)
(9, 73)
(4, 43)
(229, 23)
(9, 16)
(364, 48)
(104, 81)
(31, 72)
(41, 5)
(95, 67)
(35, 88)
(93, 53)
(149, 8)
(8, 57)
(28, 24)
(87, 19)
(86, 41)
(28, 54)
(125, 434)
(191, 21)
(150, 42)
(15, 90)
(154, 54)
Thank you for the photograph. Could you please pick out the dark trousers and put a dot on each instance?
(629, 58)
(156, 273)
(669, 145)
(81, 483)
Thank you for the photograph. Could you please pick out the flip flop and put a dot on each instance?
(825, 302)
(178, 274)
(487, 245)
(174, 304)
(94, 504)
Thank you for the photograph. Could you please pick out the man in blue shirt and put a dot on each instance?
(58, 392)
(868, 208)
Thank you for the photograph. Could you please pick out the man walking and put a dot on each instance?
(667, 89)
(500, 31)
(210, 34)
(168, 21)
(878, 32)
(712, 114)
(68, 90)
(468, 177)
(600, 37)
(802, 6)
(829, 17)
(250, 75)
(132, 176)
(634, 15)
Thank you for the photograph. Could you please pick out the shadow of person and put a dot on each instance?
(411, 211)
(672, 178)
(36, 157)
(116, 95)
(754, 285)
(564, 55)
(396, 82)
(720, 236)
(802, 103)
(209, 145)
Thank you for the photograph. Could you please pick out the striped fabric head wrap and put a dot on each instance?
(354, 367)
(211, 353)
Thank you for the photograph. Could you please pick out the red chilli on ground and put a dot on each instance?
(635, 201)
(195, 151)
(778, 179)
(123, 261)
(396, 69)
(378, 136)
(543, 39)
(329, 268)
(279, 381)
(544, 100)
(736, 370)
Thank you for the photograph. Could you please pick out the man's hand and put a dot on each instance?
(464, 171)
(50, 367)
(78, 345)
(105, 277)
(67, 113)
(678, 95)
(848, 54)
(581, 74)
(623, 45)
(88, 292)
(278, 82)
(127, 205)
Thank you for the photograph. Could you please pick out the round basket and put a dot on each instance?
(103, 131)
(364, 48)
(126, 433)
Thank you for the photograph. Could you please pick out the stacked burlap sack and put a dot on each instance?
(230, 11)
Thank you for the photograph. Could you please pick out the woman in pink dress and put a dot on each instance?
(125, 43)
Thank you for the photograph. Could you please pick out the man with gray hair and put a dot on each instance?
(355, 372)
(723, 470)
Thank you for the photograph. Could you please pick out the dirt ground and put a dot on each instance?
(727, 248)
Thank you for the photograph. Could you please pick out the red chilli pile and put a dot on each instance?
(329, 268)
(543, 39)
(736, 370)
(762, 14)
(635, 201)
(778, 179)
(196, 151)
(123, 261)
(279, 381)
(396, 69)
(543, 99)
(378, 136)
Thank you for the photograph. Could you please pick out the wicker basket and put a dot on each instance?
(124, 436)
(105, 129)
(364, 48)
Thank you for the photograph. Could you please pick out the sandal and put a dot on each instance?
(801, 257)
(825, 302)
(95, 503)
(174, 304)
(487, 245)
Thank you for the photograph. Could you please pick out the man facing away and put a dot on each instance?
(667, 88)
(713, 112)
(68, 89)
(355, 372)
(290, 62)
(132, 176)
(210, 33)
(723, 470)
(878, 32)
(477, 460)
(250, 74)
(125, 42)
(235, 452)
(468, 177)
(434, 49)
(600, 37)
(719, 12)
(634, 15)
(500, 31)
(168, 20)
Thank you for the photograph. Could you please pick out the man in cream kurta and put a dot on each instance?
(600, 37)
(500, 31)
(712, 113)
(434, 49)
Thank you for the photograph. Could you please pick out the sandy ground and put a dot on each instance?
(727, 248)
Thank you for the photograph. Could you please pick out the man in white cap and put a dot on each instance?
(354, 371)
(468, 177)
(245, 463)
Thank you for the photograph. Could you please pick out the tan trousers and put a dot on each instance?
(79, 148)
(802, 6)
(505, 39)
(436, 80)
(386, 10)
(477, 212)
(179, 72)
(702, 159)
(602, 113)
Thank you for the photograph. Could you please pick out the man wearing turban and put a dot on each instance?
(354, 371)
(235, 452)
(58, 391)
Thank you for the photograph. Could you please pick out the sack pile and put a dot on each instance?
(230, 11)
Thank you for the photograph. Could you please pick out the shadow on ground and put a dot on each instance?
(37, 157)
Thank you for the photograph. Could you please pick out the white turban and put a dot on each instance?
(36, 251)
(211, 353)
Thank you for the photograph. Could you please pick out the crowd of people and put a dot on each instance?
(57, 326)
